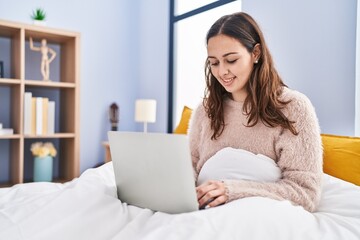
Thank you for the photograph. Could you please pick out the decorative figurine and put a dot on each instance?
(45, 60)
(114, 116)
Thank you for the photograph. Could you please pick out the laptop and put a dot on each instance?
(154, 171)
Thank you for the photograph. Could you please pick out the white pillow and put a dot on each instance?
(231, 163)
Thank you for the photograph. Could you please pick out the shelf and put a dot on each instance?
(49, 84)
(56, 135)
(37, 83)
(11, 136)
(55, 180)
(60, 180)
(22, 75)
(52, 35)
(5, 185)
(8, 30)
(9, 81)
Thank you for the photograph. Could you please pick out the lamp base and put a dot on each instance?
(145, 127)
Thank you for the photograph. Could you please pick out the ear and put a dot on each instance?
(256, 53)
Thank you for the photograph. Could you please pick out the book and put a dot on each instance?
(33, 115)
(45, 102)
(6, 131)
(39, 115)
(27, 113)
(51, 117)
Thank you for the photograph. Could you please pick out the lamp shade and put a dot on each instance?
(145, 110)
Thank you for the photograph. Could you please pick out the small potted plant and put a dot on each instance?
(38, 16)
(43, 161)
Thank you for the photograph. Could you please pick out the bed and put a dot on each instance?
(88, 208)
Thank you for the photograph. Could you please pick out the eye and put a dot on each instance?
(232, 61)
(213, 63)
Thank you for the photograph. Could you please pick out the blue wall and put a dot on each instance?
(153, 58)
(109, 61)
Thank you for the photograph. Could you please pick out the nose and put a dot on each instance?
(223, 70)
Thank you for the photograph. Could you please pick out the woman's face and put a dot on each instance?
(231, 64)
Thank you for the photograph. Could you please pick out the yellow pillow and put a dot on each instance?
(342, 157)
(184, 121)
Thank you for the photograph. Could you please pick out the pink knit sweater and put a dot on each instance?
(298, 156)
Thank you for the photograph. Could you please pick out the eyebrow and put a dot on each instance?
(226, 54)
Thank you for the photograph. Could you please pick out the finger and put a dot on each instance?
(210, 196)
(218, 201)
(204, 188)
(211, 190)
(209, 186)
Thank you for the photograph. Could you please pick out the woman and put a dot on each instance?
(247, 106)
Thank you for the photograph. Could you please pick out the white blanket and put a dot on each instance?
(87, 208)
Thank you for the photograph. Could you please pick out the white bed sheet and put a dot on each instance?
(87, 208)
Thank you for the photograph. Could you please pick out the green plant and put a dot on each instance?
(38, 14)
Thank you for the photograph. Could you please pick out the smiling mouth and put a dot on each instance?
(228, 81)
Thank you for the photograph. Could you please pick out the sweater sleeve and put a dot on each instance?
(194, 132)
(298, 156)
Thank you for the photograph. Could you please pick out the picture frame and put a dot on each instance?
(1, 69)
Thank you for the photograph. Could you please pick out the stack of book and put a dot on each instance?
(6, 131)
(39, 115)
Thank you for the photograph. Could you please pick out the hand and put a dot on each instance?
(211, 194)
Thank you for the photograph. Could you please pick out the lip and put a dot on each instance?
(228, 81)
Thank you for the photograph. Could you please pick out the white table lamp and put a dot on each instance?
(145, 111)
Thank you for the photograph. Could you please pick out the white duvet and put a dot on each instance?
(88, 208)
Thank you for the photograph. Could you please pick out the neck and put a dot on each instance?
(238, 97)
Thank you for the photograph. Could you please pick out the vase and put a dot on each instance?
(39, 22)
(43, 169)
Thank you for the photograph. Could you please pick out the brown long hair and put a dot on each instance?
(264, 85)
